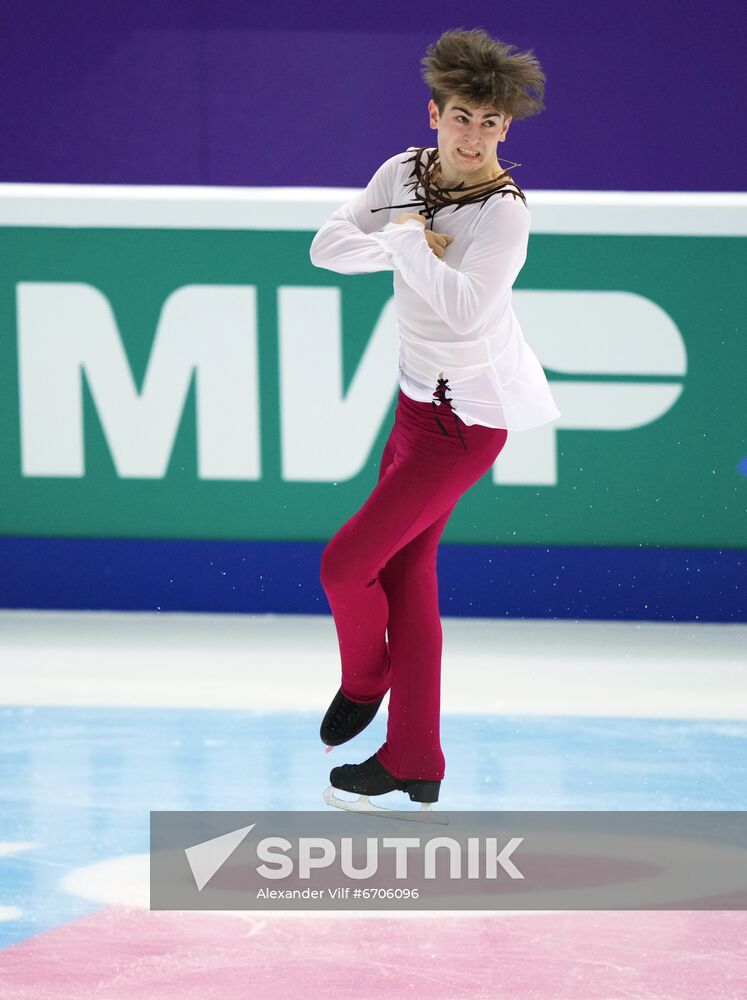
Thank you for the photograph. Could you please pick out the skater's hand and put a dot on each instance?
(436, 241)
(409, 215)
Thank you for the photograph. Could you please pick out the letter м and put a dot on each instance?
(68, 330)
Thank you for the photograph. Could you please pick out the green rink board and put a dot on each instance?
(675, 481)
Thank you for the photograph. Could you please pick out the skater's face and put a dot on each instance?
(464, 126)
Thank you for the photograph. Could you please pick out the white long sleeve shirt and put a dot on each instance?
(454, 313)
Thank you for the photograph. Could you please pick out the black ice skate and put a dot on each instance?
(346, 718)
(372, 778)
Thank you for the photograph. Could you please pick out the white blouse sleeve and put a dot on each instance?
(344, 243)
(463, 298)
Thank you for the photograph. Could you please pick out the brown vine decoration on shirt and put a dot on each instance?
(435, 197)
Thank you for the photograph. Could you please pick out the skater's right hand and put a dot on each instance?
(438, 241)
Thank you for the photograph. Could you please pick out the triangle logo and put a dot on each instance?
(207, 857)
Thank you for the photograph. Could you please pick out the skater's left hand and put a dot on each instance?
(410, 215)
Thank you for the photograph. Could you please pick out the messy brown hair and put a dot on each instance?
(485, 72)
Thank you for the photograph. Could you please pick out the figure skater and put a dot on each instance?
(455, 257)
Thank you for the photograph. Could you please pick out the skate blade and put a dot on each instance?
(364, 805)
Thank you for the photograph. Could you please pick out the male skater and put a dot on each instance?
(455, 256)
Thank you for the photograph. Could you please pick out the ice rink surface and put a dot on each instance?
(108, 716)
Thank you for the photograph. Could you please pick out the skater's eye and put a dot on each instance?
(463, 118)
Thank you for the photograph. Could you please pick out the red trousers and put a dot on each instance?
(379, 574)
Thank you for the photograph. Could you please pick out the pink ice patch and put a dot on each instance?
(124, 954)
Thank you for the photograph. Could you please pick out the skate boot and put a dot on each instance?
(372, 778)
(346, 718)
